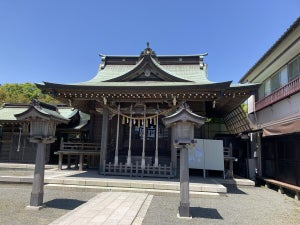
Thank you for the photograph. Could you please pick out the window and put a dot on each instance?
(280, 78)
(294, 68)
(283, 77)
(275, 82)
(267, 87)
(261, 91)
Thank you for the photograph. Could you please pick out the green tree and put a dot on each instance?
(23, 93)
(245, 107)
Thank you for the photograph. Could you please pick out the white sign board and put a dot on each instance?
(207, 155)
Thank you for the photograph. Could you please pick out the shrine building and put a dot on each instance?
(130, 95)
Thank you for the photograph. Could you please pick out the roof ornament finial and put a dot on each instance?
(148, 51)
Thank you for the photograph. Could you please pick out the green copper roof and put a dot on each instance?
(171, 70)
(43, 110)
(67, 112)
(7, 112)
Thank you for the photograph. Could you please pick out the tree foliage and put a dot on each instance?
(23, 93)
(245, 107)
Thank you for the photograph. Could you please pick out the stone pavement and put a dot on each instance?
(90, 180)
(109, 208)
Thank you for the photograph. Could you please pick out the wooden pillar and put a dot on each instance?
(60, 159)
(156, 143)
(117, 139)
(80, 162)
(69, 161)
(129, 141)
(173, 151)
(104, 137)
(11, 146)
(259, 154)
(256, 145)
(143, 164)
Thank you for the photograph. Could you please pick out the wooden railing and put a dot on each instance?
(79, 146)
(76, 149)
(291, 88)
(137, 171)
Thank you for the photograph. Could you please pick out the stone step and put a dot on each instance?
(140, 184)
(157, 192)
(165, 188)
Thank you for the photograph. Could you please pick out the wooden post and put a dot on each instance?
(117, 138)
(165, 169)
(60, 159)
(109, 167)
(129, 141)
(136, 168)
(144, 140)
(69, 161)
(104, 137)
(173, 151)
(156, 143)
(80, 162)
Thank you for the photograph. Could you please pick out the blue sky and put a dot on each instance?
(59, 40)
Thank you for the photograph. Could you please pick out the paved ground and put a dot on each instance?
(115, 208)
(241, 206)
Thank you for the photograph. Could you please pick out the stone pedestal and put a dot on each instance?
(184, 207)
(37, 193)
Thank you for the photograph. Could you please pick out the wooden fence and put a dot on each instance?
(135, 170)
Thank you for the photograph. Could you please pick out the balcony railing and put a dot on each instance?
(289, 89)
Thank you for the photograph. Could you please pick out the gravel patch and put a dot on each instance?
(245, 205)
(15, 197)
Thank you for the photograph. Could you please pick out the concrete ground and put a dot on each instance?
(241, 205)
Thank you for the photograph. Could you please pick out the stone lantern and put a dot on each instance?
(43, 119)
(183, 122)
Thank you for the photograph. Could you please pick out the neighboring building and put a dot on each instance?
(14, 143)
(130, 93)
(275, 112)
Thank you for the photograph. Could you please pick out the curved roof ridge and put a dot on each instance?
(145, 60)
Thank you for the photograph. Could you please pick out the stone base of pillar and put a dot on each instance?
(128, 163)
(34, 208)
(184, 210)
(156, 162)
(36, 199)
(143, 163)
(116, 161)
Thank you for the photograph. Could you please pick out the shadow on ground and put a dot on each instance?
(62, 203)
(208, 213)
(233, 189)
